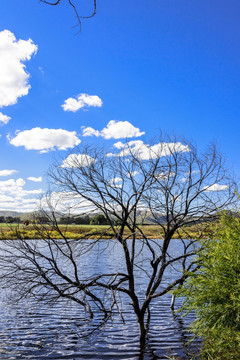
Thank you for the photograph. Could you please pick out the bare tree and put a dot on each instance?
(74, 6)
(168, 181)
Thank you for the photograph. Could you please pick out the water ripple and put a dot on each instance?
(29, 330)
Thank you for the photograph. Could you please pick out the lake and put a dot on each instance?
(33, 330)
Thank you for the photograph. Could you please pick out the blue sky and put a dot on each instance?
(170, 65)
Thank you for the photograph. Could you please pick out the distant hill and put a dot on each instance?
(144, 217)
(22, 215)
(10, 213)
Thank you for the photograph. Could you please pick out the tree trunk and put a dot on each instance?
(142, 329)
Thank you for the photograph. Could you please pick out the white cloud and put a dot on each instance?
(120, 129)
(21, 205)
(30, 192)
(133, 173)
(15, 188)
(215, 187)
(146, 152)
(45, 139)
(89, 131)
(115, 180)
(7, 172)
(77, 160)
(11, 185)
(68, 202)
(35, 179)
(13, 196)
(4, 119)
(130, 144)
(118, 186)
(81, 101)
(115, 130)
(119, 145)
(13, 76)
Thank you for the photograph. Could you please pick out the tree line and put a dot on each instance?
(10, 219)
(98, 219)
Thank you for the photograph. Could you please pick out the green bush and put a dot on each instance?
(214, 293)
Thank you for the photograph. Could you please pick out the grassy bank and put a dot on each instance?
(12, 231)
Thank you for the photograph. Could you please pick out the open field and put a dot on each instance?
(13, 231)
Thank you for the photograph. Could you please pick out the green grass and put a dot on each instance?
(9, 231)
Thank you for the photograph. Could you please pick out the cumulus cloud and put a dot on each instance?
(81, 101)
(35, 179)
(115, 130)
(115, 180)
(146, 152)
(45, 139)
(4, 119)
(13, 196)
(77, 160)
(7, 172)
(13, 75)
(89, 131)
(15, 187)
(68, 202)
(11, 185)
(24, 205)
(119, 145)
(215, 187)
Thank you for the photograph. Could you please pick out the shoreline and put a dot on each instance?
(77, 232)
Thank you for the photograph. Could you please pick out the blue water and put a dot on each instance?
(33, 330)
